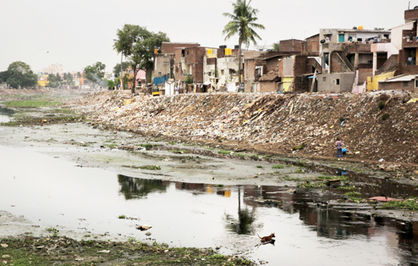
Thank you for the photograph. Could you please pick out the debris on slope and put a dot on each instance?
(372, 126)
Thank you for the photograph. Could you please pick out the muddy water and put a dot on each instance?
(56, 192)
(69, 177)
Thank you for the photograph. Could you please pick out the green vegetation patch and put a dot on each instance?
(32, 103)
(352, 194)
(224, 152)
(408, 204)
(278, 166)
(150, 167)
(66, 251)
(299, 147)
(312, 185)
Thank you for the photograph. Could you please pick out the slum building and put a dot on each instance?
(401, 75)
(347, 59)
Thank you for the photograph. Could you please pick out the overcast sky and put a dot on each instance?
(76, 33)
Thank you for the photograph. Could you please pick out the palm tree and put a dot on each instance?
(242, 23)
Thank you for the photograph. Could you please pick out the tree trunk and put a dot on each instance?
(121, 72)
(149, 75)
(240, 61)
(134, 81)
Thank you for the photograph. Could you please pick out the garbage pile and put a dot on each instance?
(375, 126)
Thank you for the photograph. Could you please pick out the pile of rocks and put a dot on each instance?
(372, 126)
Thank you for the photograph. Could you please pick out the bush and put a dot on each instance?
(382, 105)
(385, 117)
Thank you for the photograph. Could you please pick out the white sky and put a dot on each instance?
(76, 33)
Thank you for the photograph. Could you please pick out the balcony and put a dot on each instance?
(409, 39)
(411, 14)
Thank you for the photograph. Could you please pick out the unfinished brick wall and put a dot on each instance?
(170, 47)
(337, 65)
(363, 73)
(291, 46)
(300, 66)
(312, 45)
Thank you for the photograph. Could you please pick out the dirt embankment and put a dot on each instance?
(372, 126)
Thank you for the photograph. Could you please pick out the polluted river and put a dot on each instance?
(91, 183)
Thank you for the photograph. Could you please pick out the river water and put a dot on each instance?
(52, 190)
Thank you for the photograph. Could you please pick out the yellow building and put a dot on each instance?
(373, 82)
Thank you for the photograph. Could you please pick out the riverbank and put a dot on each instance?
(55, 249)
(378, 129)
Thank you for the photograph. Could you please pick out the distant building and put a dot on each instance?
(347, 58)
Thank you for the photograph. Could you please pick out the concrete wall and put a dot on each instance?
(224, 66)
(162, 64)
(288, 66)
(396, 34)
(335, 82)
(209, 70)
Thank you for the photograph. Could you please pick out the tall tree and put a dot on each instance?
(95, 73)
(19, 75)
(138, 44)
(242, 23)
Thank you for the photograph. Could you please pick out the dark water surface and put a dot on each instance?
(51, 191)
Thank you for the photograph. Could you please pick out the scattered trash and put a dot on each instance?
(104, 251)
(4, 245)
(143, 227)
(383, 199)
(282, 123)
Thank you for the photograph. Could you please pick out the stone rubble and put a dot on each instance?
(372, 126)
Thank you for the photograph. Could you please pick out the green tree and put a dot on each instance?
(53, 81)
(95, 73)
(118, 68)
(138, 44)
(243, 24)
(19, 75)
(276, 47)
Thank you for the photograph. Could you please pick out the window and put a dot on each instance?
(324, 78)
(416, 83)
(337, 81)
(405, 84)
(222, 72)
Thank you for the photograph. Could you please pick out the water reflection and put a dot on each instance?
(325, 221)
(133, 188)
(246, 218)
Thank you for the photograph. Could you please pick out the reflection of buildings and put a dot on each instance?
(332, 223)
(133, 188)
(204, 188)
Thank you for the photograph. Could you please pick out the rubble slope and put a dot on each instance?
(372, 126)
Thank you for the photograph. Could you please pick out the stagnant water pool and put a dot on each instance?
(54, 192)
